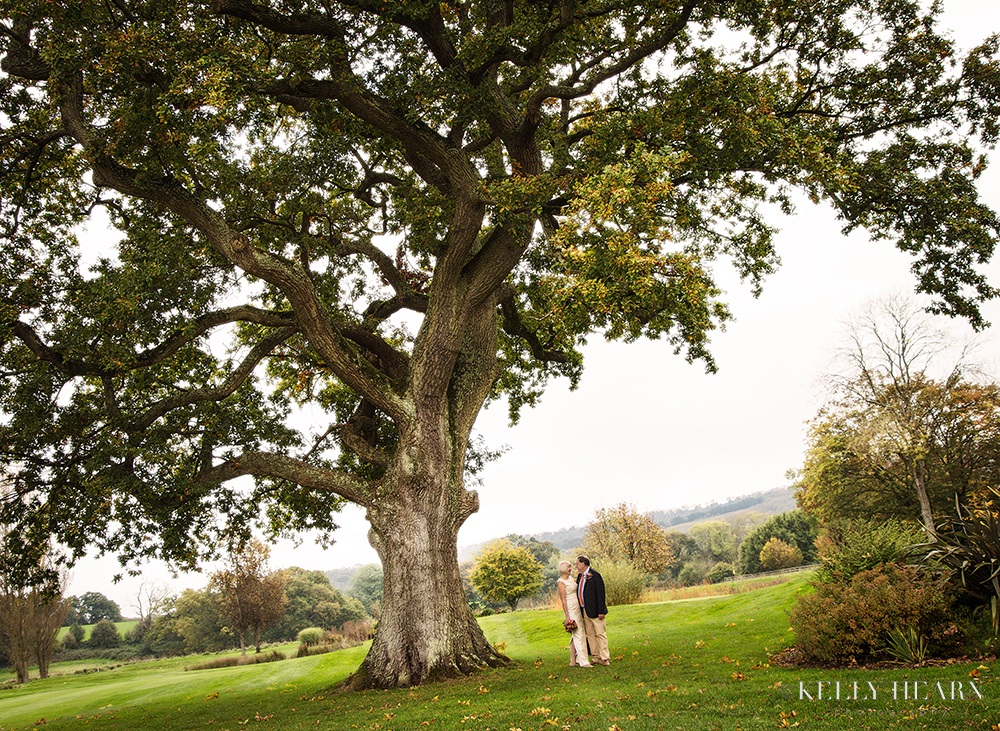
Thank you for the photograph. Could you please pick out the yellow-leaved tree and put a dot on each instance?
(506, 573)
(623, 534)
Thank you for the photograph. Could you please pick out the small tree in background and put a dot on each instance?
(249, 597)
(193, 623)
(717, 540)
(543, 551)
(30, 620)
(776, 554)
(622, 533)
(901, 368)
(623, 582)
(312, 601)
(31, 612)
(74, 637)
(506, 573)
(105, 635)
(683, 551)
(93, 606)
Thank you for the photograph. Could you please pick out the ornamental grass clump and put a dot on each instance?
(311, 636)
(907, 646)
(233, 661)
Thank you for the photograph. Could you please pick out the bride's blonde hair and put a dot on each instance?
(563, 563)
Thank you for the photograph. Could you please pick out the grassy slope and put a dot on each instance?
(123, 627)
(694, 664)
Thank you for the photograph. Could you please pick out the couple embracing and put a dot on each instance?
(584, 609)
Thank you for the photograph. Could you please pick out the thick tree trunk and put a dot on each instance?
(427, 630)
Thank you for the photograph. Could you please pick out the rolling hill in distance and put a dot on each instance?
(768, 502)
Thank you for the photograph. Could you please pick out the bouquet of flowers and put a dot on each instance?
(569, 625)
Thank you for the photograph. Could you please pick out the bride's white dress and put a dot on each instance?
(579, 635)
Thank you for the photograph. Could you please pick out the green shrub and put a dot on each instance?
(720, 572)
(623, 583)
(137, 634)
(78, 632)
(310, 636)
(692, 572)
(68, 642)
(307, 650)
(105, 635)
(853, 617)
(860, 545)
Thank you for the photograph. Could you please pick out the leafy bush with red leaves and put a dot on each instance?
(849, 619)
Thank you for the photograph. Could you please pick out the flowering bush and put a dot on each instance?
(852, 618)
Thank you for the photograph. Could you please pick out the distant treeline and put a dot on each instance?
(667, 518)
(769, 502)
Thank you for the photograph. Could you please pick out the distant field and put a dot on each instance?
(123, 627)
(697, 665)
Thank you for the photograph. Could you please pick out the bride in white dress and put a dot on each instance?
(571, 610)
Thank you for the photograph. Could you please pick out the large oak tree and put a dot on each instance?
(392, 212)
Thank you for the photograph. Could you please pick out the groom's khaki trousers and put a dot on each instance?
(597, 638)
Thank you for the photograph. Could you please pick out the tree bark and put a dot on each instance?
(427, 630)
(925, 502)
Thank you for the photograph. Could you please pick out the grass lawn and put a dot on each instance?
(691, 664)
(123, 627)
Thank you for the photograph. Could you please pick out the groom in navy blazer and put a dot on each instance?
(590, 594)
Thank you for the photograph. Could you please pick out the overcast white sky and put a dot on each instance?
(648, 428)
